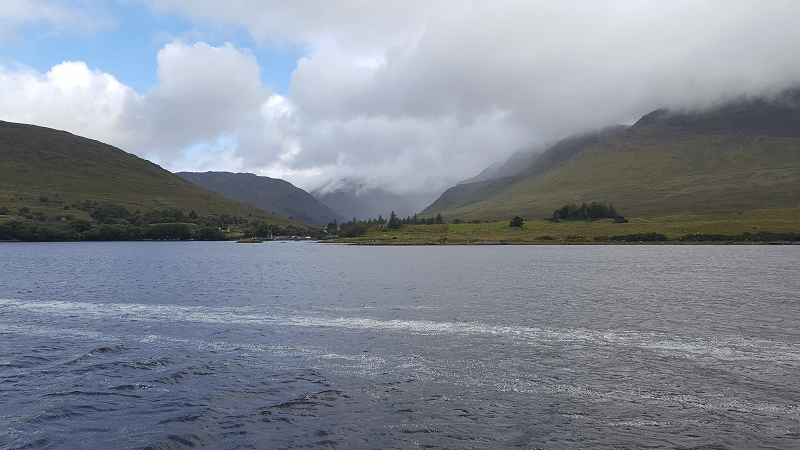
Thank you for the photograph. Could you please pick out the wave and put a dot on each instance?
(720, 348)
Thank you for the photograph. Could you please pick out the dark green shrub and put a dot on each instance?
(516, 222)
(584, 212)
(168, 231)
(212, 234)
(81, 225)
(359, 229)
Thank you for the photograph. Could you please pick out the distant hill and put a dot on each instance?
(47, 171)
(739, 157)
(354, 199)
(521, 165)
(269, 194)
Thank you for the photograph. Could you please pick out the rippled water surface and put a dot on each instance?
(287, 345)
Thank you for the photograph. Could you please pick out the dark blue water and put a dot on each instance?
(301, 345)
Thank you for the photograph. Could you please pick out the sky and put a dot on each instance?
(409, 96)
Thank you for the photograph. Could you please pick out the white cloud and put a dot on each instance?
(204, 93)
(411, 94)
(71, 16)
(549, 69)
(355, 26)
(68, 97)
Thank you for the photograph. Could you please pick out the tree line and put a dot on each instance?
(586, 212)
(355, 227)
(117, 223)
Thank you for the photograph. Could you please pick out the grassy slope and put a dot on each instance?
(67, 169)
(785, 220)
(648, 174)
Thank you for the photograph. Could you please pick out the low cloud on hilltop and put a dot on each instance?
(406, 96)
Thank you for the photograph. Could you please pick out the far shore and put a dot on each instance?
(773, 226)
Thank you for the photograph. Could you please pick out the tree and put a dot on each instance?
(81, 225)
(104, 212)
(357, 229)
(439, 219)
(168, 231)
(209, 234)
(332, 227)
(585, 212)
(394, 222)
(516, 222)
(6, 232)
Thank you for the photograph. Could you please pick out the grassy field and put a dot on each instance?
(784, 220)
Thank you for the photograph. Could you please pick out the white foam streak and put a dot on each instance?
(666, 344)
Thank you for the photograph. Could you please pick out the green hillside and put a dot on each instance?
(741, 158)
(49, 174)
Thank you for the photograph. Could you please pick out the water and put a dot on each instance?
(300, 345)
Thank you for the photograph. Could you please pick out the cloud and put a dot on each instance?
(436, 91)
(406, 154)
(206, 98)
(355, 26)
(203, 92)
(557, 69)
(415, 95)
(69, 97)
(61, 16)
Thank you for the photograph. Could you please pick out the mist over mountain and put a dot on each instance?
(355, 199)
(524, 163)
(265, 193)
(486, 173)
(739, 156)
(772, 116)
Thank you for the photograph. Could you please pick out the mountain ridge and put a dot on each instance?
(269, 194)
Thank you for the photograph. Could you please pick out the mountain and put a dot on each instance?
(354, 199)
(739, 157)
(269, 194)
(48, 171)
(522, 164)
(485, 174)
